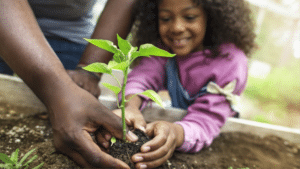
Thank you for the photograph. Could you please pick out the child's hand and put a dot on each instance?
(133, 117)
(166, 137)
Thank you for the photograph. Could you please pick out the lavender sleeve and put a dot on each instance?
(149, 74)
(203, 122)
(208, 113)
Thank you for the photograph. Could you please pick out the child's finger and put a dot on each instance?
(139, 123)
(157, 142)
(155, 162)
(160, 134)
(117, 112)
(150, 130)
(153, 158)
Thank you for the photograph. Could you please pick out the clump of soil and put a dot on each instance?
(234, 149)
(125, 150)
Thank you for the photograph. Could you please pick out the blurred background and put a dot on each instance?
(273, 91)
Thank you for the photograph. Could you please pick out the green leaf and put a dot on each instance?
(154, 96)
(113, 140)
(26, 156)
(132, 53)
(124, 45)
(5, 158)
(31, 160)
(119, 57)
(4, 166)
(115, 89)
(39, 166)
(117, 66)
(149, 49)
(98, 68)
(135, 55)
(104, 44)
(14, 156)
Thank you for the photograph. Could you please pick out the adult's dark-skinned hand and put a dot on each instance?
(77, 114)
(86, 80)
(74, 113)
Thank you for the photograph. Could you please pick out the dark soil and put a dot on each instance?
(124, 150)
(236, 150)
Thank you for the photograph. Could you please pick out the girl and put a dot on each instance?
(211, 40)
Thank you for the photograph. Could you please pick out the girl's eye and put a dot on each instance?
(190, 18)
(164, 19)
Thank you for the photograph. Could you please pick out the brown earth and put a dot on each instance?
(24, 130)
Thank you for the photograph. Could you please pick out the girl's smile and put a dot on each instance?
(182, 25)
(181, 42)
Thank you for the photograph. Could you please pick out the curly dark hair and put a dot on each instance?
(228, 21)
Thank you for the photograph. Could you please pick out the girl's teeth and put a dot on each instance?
(180, 42)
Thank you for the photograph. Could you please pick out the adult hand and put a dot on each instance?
(166, 137)
(74, 115)
(73, 112)
(133, 117)
(86, 80)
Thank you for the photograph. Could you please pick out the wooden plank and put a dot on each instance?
(14, 91)
(232, 124)
(261, 129)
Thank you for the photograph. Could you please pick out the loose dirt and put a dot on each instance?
(24, 130)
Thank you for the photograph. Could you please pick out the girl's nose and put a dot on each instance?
(178, 26)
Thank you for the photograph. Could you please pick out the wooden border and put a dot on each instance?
(14, 91)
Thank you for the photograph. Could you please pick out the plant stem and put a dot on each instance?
(116, 79)
(123, 102)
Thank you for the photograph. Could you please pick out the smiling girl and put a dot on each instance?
(211, 40)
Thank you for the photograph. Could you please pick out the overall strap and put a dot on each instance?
(179, 96)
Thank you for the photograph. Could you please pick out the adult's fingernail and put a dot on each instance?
(145, 149)
(143, 166)
(132, 136)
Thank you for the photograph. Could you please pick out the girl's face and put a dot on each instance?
(182, 25)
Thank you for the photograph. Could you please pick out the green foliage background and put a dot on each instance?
(280, 90)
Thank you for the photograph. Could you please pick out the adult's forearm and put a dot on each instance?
(116, 18)
(25, 49)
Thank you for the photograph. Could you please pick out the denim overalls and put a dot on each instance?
(180, 98)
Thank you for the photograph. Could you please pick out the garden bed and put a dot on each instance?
(241, 144)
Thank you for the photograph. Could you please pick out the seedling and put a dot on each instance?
(122, 59)
(12, 161)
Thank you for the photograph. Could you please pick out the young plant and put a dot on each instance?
(122, 59)
(12, 161)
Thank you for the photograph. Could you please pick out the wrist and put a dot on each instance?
(95, 75)
(51, 85)
(132, 105)
(135, 102)
(180, 134)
